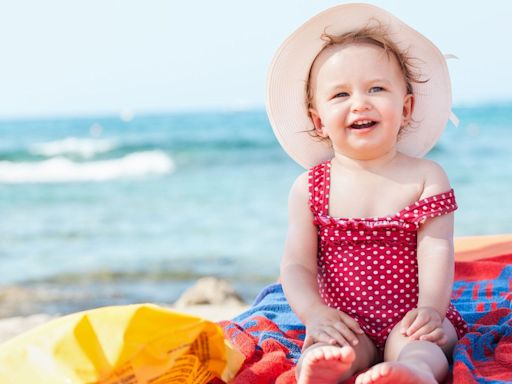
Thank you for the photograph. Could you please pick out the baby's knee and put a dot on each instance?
(396, 341)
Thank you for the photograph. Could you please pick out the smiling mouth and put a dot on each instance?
(363, 124)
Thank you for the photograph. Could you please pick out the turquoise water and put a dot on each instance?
(104, 211)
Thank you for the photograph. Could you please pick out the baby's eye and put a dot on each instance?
(341, 94)
(376, 89)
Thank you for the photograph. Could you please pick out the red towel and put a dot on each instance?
(271, 336)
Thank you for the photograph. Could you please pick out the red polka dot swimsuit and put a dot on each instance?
(367, 267)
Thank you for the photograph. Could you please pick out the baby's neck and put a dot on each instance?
(371, 164)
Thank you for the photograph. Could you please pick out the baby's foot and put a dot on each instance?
(325, 364)
(395, 373)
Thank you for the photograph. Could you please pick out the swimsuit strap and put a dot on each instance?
(429, 207)
(319, 181)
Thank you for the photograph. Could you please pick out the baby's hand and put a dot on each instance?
(424, 323)
(331, 326)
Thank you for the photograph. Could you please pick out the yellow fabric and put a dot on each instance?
(131, 344)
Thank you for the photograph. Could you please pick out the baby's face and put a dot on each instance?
(359, 100)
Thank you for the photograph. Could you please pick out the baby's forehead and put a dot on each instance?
(352, 47)
(356, 49)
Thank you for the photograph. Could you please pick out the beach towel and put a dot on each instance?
(270, 336)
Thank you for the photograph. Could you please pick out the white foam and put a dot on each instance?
(85, 148)
(60, 169)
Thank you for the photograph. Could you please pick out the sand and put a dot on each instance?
(211, 298)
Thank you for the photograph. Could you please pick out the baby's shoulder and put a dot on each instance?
(302, 179)
(427, 167)
(300, 187)
(299, 198)
(434, 178)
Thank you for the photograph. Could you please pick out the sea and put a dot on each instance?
(113, 210)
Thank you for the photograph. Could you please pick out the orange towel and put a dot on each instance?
(481, 247)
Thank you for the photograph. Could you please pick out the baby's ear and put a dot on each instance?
(317, 122)
(407, 109)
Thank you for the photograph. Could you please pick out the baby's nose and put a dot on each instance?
(360, 103)
(361, 107)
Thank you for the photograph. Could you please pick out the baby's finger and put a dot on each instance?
(319, 336)
(327, 335)
(436, 336)
(407, 321)
(421, 319)
(424, 330)
(347, 333)
(335, 336)
(351, 323)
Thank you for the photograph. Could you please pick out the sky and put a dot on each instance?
(90, 57)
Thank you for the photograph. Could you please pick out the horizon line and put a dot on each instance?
(128, 115)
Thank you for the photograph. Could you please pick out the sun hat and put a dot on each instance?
(289, 72)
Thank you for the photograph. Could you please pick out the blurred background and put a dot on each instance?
(136, 155)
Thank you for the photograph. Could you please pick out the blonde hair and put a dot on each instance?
(376, 35)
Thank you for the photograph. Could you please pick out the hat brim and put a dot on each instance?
(289, 71)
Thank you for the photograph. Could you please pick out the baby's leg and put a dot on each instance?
(324, 363)
(412, 361)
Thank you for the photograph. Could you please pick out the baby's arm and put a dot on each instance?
(435, 266)
(299, 275)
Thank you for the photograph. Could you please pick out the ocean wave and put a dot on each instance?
(86, 148)
(60, 169)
